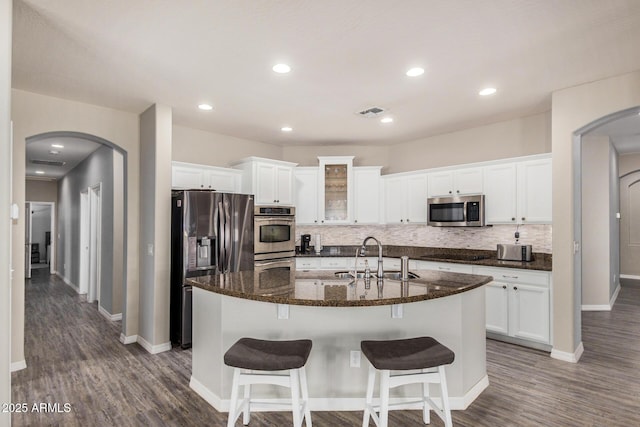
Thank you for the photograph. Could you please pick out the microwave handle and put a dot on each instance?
(464, 211)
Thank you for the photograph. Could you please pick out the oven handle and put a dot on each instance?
(270, 219)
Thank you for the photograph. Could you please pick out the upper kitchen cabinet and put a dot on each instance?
(405, 198)
(518, 192)
(534, 192)
(271, 181)
(455, 182)
(306, 195)
(335, 180)
(189, 176)
(366, 195)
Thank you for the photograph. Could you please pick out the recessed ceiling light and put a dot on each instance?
(415, 72)
(281, 68)
(286, 129)
(57, 145)
(40, 172)
(205, 107)
(487, 91)
(386, 120)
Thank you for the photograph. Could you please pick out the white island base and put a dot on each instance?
(457, 321)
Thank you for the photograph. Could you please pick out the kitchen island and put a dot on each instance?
(337, 313)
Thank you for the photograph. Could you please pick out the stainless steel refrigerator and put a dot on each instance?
(211, 233)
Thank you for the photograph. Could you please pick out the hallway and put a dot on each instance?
(73, 356)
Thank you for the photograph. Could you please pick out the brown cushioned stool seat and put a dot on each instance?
(426, 357)
(406, 354)
(263, 355)
(256, 361)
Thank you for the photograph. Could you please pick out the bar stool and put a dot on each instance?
(248, 355)
(424, 354)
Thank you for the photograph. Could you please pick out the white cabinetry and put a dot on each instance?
(444, 266)
(366, 195)
(306, 191)
(405, 198)
(185, 176)
(335, 179)
(271, 181)
(518, 304)
(455, 182)
(518, 192)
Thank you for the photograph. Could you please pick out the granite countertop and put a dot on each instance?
(541, 261)
(323, 288)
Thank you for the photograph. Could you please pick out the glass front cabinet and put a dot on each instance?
(336, 188)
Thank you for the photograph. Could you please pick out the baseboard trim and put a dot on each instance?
(18, 366)
(614, 297)
(568, 357)
(341, 404)
(109, 316)
(603, 307)
(131, 339)
(154, 349)
(69, 283)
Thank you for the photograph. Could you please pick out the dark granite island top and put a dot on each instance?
(323, 288)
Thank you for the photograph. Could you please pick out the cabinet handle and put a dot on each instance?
(322, 221)
(509, 277)
(201, 185)
(444, 268)
(315, 220)
(407, 219)
(513, 219)
(515, 288)
(458, 191)
(449, 191)
(401, 220)
(504, 286)
(523, 218)
(275, 201)
(355, 220)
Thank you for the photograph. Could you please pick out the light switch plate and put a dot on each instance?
(283, 311)
(396, 311)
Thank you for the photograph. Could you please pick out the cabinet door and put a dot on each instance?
(529, 312)
(468, 181)
(500, 194)
(534, 192)
(187, 178)
(497, 307)
(441, 184)
(366, 195)
(265, 184)
(221, 181)
(394, 200)
(284, 185)
(306, 200)
(416, 198)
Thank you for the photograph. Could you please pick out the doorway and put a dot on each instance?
(39, 229)
(90, 241)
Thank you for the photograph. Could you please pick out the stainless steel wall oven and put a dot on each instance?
(274, 228)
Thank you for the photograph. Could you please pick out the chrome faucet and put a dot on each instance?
(363, 250)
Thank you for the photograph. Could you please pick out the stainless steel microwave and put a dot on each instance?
(456, 211)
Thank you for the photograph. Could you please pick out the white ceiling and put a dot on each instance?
(75, 151)
(346, 55)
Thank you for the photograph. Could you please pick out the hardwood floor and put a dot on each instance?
(73, 356)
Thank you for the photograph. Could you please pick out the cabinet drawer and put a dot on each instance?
(511, 275)
(304, 263)
(444, 266)
(331, 263)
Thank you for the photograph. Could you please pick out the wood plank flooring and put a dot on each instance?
(73, 356)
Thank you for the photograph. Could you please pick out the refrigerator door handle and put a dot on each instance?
(220, 238)
(227, 239)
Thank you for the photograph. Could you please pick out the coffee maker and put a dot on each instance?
(305, 241)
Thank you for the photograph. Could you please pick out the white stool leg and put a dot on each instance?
(445, 398)
(369, 400)
(294, 381)
(426, 408)
(233, 404)
(384, 397)
(305, 396)
(246, 410)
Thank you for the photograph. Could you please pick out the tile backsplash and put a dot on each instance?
(422, 235)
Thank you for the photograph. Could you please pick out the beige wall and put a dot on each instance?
(596, 238)
(34, 114)
(364, 155)
(5, 201)
(41, 191)
(572, 109)
(629, 163)
(512, 138)
(206, 148)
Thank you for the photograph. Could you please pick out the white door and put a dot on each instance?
(265, 184)
(84, 242)
(187, 178)
(306, 201)
(500, 194)
(366, 189)
(529, 312)
(284, 184)
(441, 184)
(416, 198)
(94, 243)
(27, 238)
(468, 181)
(534, 192)
(630, 224)
(394, 200)
(497, 307)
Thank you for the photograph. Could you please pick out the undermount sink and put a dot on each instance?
(393, 275)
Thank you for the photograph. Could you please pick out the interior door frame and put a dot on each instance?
(52, 227)
(83, 285)
(27, 237)
(95, 208)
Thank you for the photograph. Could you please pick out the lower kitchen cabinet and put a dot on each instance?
(518, 304)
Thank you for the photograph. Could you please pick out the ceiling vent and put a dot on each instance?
(371, 112)
(47, 162)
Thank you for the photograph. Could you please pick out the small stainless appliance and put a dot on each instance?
(211, 233)
(274, 232)
(456, 211)
(305, 243)
(515, 252)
